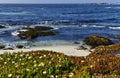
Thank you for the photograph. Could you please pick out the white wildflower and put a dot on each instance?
(34, 61)
(60, 59)
(29, 57)
(82, 61)
(56, 76)
(8, 58)
(16, 65)
(71, 74)
(20, 59)
(13, 62)
(1, 58)
(9, 75)
(44, 72)
(22, 63)
(35, 65)
(40, 57)
(59, 65)
(52, 58)
(57, 55)
(21, 55)
(91, 66)
(52, 76)
(44, 55)
(41, 64)
(27, 54)
(28, 69)
(5, 62)
(50, 62)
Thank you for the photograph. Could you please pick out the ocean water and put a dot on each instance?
(73, 22)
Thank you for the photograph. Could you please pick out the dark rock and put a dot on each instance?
(2, 46)
(95, 41)
(2, 26)
(81, 48)
(8, 49)
(19, 46)
(118, 37)
(42, 28)
(76, 42)
(32, 33)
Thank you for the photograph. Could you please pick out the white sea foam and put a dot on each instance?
(15, 33)
(16, 13)
(97, 26)
(108, 7)
(23, 30)
(114, 27)
(84, 25)
(112, 7)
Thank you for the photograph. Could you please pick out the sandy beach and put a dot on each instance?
(70, 50)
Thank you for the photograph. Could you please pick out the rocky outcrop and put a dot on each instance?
(1, 26)
(95, 41)
(32, 33)
(2, 46)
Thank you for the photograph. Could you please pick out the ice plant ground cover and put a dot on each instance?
(37, 64)
(103, 62)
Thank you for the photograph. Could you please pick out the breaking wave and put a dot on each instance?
(16, 13)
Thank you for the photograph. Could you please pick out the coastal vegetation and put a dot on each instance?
(36, 64)
(102, 62)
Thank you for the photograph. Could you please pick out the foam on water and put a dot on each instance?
(97, 26)
(15, 33)
(16, 13)
(92, 26)
(72, 22)
(112, 7)
(114, 28)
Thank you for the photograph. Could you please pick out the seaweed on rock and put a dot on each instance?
(95, 41)
(32, 33)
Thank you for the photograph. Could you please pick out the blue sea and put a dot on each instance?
(73, 22)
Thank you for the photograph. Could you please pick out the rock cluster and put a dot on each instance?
(95, 41)
(32, 33)
(1, 26)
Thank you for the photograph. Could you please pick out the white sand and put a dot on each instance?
(70, 50)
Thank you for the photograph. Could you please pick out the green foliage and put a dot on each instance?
(36, 64)
(103, 62)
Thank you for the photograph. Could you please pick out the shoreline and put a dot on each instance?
(70, 50)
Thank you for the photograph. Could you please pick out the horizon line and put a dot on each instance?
(63, 3)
